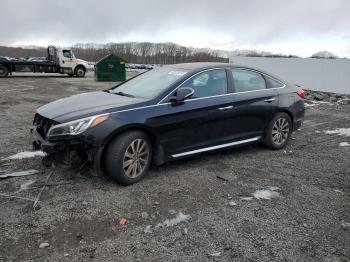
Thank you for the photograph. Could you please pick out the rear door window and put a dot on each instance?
(245, 80)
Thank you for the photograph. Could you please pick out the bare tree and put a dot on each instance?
(132, 52)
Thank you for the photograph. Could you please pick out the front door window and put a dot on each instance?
(208, 83)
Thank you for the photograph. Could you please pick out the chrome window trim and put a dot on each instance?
(205, 149)
(224, 68)
(199, 98)
(194, 99)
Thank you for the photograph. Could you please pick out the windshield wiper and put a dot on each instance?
(123, 94)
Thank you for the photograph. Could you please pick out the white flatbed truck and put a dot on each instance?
(59, 60)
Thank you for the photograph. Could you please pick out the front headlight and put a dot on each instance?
(77, 126)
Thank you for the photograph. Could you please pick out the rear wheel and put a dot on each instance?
(128, 157)
(79, 71)
(4, 72)
(278, 131)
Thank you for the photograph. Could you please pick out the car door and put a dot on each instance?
(254, 104)
(197, 122)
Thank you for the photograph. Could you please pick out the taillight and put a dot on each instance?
(301, 93)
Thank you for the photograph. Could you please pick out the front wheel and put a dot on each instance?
(4, 72)
(80, 71)
(128, 157)
(278, 131)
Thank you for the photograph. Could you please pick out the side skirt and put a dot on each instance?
(217, 147)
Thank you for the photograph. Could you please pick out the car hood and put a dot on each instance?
(84, 105)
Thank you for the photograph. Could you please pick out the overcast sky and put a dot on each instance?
(300, 27)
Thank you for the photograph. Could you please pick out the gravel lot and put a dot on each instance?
(307, 218)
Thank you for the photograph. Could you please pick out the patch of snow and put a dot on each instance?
(317, 132)
(344, 144)
(20, 173)
(180, 217)
(345, 225)
(265, 194)
(44, 245)
(25, 154)
(339, 131)
(144, 215)
(232, 203)
(246, 198)
(309, 105)
(274, 188)
(148, 229)
(315, 103)
(216, 254)
(344, 101)
(25, 185)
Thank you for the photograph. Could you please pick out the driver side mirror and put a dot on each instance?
(181, 94)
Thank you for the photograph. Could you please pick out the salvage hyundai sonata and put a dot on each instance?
(168, 113)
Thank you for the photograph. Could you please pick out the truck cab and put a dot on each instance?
(67, 61)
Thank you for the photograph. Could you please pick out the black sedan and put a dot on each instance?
(168, 113)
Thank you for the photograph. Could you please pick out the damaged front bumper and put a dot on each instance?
(40, 143)
(71, 152)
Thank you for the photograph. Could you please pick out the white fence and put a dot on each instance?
(330, 75)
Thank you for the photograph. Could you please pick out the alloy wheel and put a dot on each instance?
(280, 131)
(136, 158)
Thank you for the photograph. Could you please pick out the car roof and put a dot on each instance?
(198, 66)
(206, 65)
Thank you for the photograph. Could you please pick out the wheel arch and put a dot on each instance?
(289, 114)
(158, 152)
(80, 65)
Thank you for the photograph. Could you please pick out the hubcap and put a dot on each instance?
(280, 131)
(80, 72)
(136, 158)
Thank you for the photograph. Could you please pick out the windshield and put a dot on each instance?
(151, 83)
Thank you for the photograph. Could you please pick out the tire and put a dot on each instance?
(80, 71)
(124, 166)
(278, 131)
(4, 72)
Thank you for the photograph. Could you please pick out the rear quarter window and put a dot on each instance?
(273, 83)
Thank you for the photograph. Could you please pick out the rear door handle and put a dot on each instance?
(270, 100)
(225, 108)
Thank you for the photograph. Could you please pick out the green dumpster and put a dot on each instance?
(110, 68)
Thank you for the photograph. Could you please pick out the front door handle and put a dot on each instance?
(225, 108)
(270, 100)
